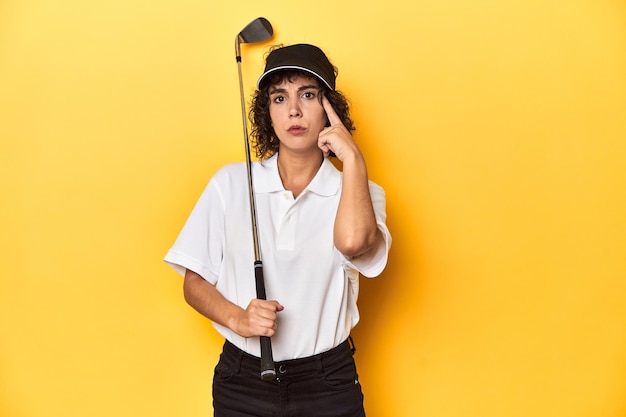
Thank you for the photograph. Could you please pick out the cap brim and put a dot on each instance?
(291, 67)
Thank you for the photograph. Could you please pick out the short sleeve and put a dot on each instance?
(199, 245)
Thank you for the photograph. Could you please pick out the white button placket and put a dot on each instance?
(287, 230)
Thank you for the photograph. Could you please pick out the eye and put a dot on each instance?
(278, 99)
(308, 95)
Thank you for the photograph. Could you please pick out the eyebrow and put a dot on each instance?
(276, 90)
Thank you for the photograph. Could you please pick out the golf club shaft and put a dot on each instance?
(268, 372)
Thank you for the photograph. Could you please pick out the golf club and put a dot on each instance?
(258, 30)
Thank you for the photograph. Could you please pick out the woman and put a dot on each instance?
(319, 228)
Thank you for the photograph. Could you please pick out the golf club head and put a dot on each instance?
(259, 30)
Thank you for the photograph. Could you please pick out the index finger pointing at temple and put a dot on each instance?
(333, 118)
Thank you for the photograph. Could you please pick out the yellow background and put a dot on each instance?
(497, 128)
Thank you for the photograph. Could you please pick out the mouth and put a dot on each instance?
(296, 130)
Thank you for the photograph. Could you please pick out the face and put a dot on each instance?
(297, 113)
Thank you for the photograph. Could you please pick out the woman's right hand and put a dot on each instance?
(258, 319)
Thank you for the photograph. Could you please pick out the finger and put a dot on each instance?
(264, 329)
(271, 305)
(268, 309)
(333, 118)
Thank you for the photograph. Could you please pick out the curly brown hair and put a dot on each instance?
(264, 139)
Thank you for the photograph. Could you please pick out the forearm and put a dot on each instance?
(355, 229)
(209, 302)
(257, 319)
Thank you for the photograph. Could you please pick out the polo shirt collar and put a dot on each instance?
(326, 182)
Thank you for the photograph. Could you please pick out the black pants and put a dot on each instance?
(324, 385)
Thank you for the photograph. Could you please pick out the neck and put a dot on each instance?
(297, 171)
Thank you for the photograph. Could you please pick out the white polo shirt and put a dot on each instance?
(303, 270)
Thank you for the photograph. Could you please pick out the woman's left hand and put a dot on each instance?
(336, 138)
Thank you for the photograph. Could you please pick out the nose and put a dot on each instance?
(294, 109)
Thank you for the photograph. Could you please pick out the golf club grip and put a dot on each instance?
(268, 372)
